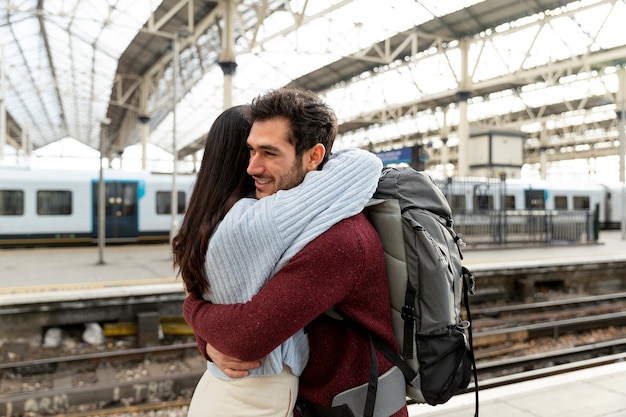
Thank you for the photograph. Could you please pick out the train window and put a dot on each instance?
(457, 202)
(483, 202)
(560, 202)
(509, 202)
(54, 202)
(164, 202)
(11, 202)
(129, 202)
(581, 202)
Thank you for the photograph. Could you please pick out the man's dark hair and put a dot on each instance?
(312, 121)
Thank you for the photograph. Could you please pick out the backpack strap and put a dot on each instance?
(469, 283)
(309, 409)
(395, 358)
(372, 387)
(376, 342)
(408, 316)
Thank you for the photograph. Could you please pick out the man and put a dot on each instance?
(343, 268)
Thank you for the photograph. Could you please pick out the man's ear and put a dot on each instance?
(315, 156)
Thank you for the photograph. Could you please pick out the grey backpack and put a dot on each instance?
(427, 283)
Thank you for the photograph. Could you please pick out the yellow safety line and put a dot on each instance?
(87, 285)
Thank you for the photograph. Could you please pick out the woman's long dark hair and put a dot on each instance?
(221, 181)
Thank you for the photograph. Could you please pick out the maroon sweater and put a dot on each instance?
(344, 267)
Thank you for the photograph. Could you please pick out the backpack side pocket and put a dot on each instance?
(445, 365)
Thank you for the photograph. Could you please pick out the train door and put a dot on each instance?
(535, 199)
(121, 214)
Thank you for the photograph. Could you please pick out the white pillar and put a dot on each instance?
(101, 192)
(227, 56)
(145, 132)
(144, 119)
(445, 152)
(543, 156)
(174, 198)
(463, 163)
(26, 146)
(3, 110)
(621, 116)
(462, 96)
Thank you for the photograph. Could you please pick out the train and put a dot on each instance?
(476, 195)
(60, 207)
(45, 207)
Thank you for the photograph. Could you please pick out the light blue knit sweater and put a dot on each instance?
(258, 237)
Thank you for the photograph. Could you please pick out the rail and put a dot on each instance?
(495, 227)
(559, 304)
(512, 371)
(596, 351)
(535, 374)
(548, 329)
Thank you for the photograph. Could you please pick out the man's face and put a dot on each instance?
(273, 163)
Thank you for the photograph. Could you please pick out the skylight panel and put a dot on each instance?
(440, 8)
(93, 34)
(85, 39)
(564, 38)
(604, 24)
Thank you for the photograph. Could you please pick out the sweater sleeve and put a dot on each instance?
(337, 192)
(340, 190)
(257, 238)
(318, 277)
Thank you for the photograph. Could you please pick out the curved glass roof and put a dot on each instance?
(330, 31)
(60, 59)
(553, 69)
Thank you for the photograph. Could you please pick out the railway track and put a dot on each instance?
(100, 380)
(503, 330)
(119, 381)
(554, 329)
(610, 301)
(510, 367)
(137, 379)
(520, 370)
(569, 313)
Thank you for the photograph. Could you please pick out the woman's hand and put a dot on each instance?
(232, 367)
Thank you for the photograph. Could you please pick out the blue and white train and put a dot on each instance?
(473, 195)
(41, 207)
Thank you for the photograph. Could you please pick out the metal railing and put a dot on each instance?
(495, 227)
(487, 212)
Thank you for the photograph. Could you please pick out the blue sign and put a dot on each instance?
(396, 156)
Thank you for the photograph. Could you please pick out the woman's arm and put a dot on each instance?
(340, 190)
(320, 276)
(257, 238)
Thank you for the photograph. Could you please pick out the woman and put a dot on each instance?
(221, 259)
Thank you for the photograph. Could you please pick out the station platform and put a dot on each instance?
(32, 275)
(57, 274)
(593, 392)
(611, 246)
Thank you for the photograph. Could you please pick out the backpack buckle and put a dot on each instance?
(469, 277)
(407, 313)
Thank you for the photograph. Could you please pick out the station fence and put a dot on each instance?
(525, 226)
(486, 213)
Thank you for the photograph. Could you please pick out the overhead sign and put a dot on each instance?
(395, 157)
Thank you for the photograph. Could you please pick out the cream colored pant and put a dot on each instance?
(262, 396)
